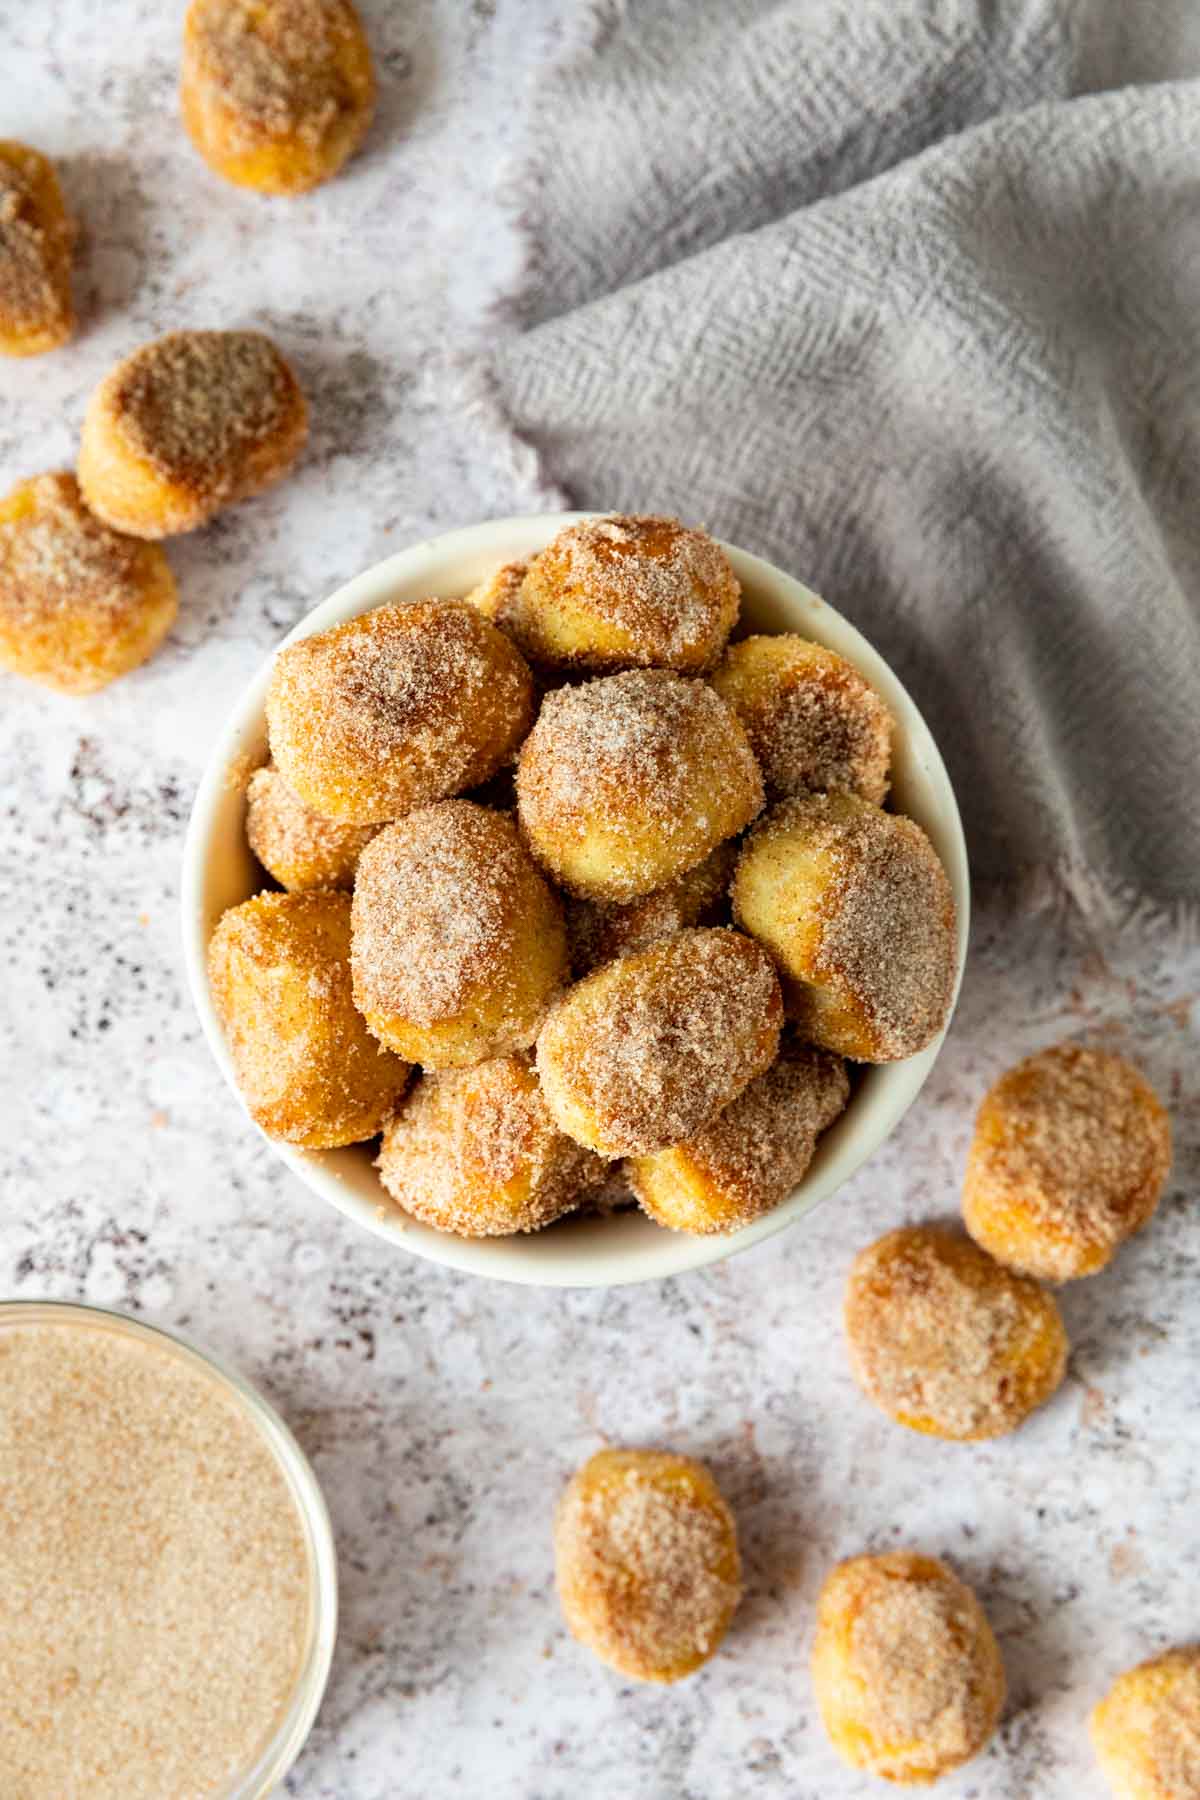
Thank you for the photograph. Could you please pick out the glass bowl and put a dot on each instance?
(277, 1756)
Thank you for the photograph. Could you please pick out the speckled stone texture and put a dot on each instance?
(443, 1414)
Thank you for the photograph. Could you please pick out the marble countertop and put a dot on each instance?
(441, 1413)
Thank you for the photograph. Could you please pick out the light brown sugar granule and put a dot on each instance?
(154, 1582)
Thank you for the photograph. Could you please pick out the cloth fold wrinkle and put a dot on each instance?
(959, 397)
(694, 119)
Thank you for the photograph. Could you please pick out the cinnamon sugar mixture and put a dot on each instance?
(433, 909)
(888, 930)
(819, 740)
(61, 556)
(154, 1584)
(759, 1146)
(937, 1330)
(464, 1136)
(818, 725)
(656, 1044)
(277, 66)
(26, 291)
(296, 845)
(194, 404)
(914, 1650)
(656, 1565)
(419, 699)
(626, 738)
(1079, 1138)
(668, 585)
(639, 756)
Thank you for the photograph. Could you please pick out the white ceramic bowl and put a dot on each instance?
(219, 871)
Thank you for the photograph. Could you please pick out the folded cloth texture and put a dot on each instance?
(905, 295)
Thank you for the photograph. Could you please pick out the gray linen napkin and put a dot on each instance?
(875, 289)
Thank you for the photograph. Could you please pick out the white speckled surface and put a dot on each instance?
(442, 1414)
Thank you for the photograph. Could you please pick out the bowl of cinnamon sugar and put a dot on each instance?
(575, 899)
(167, 1562)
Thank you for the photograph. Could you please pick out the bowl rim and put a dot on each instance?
(281, 1750)
(505, 540)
